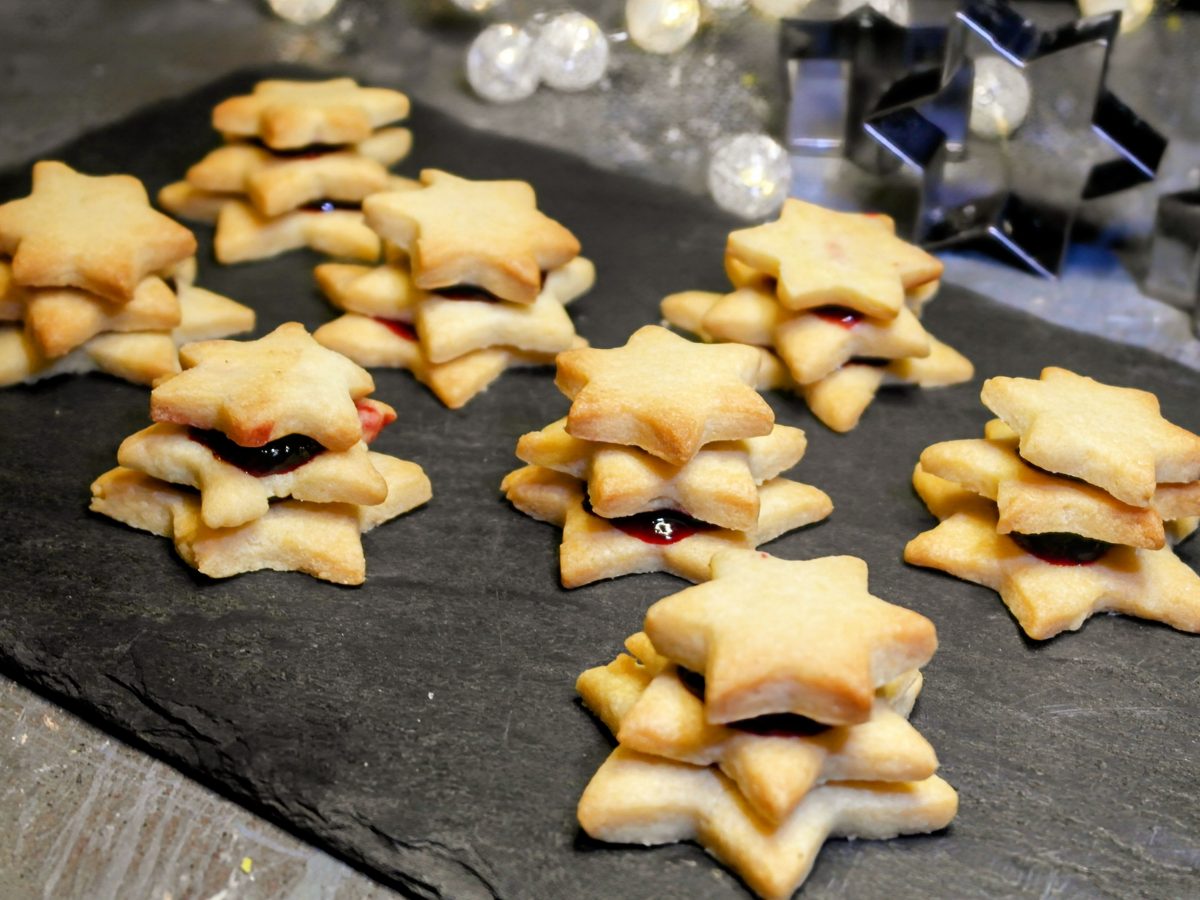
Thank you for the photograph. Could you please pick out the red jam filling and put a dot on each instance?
(1061, 548)
(772, 725)
(839, 315)
(398, 328)
(663, 526)
(873, 361)
(466, 292)
(275, 458)
(373, 420)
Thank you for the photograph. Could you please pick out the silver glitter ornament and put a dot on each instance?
(500, 64)
(302, 12)
(1000, 98)
(571, 52)
(662, 26)
(749, 175)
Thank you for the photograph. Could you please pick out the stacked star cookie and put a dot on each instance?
(298, 160)
(93, 279)
(1068, 506)
(762, 713)
(249, 422)
(833, 301)
(476, 281)
(667, 456)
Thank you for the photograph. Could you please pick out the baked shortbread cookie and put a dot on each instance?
(815, 341)
(840, 399)
(256, 392)
(664, 394)
(774, 760)
(594, 548)
(718, 485)
(139, 357)
(1052, 592)
(812, 344)
(320, 539)
(61, 319)
(287, 115)
(229, 494)
(819, 257)
(639, 799)
(244, 234)
(1030, 501)
(779, 636)
(277, 184)
(1112, 437)
(12, 295)
(99, 234)
(392, 343)
(385, 291)
(489, 234)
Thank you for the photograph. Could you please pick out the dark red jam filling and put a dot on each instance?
(373, 420)
(873, 361)
(662, 526)
(283, 455)
(400, 329)
(838, 315)
(773, 725)
(1061, 548)
(324, 206)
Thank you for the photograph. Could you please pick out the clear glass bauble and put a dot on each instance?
(662, 26)
(749, 175)
(501, 66)
(571, 52)
(999, 100)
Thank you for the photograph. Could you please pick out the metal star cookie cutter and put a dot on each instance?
(836, 70)
(1016, 199)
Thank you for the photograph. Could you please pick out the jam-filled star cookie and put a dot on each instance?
(488, 234)
(108, 303)
(819, 257)
(666, 456)
(287, 115)
(281, 417)
(774, 761)
(95, 233)
(457, 341)
(763, 791)
(828, 646)
(1058, 548)
(300, 158)
(1112, 437)
(835, 353)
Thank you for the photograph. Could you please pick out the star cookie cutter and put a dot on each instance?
(923, 122)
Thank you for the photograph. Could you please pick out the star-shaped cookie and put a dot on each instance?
(95, 233)
(639, 799)
(663, 393)
(661, 715)
(286, 115)
(779, 636)
(820, 257)
(594, 548)
(718, 485)
(1031, 501)
(1112, 437)
(484, 233)
(1048, 598)
(259, 391)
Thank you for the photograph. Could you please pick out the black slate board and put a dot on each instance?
(424, 726)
